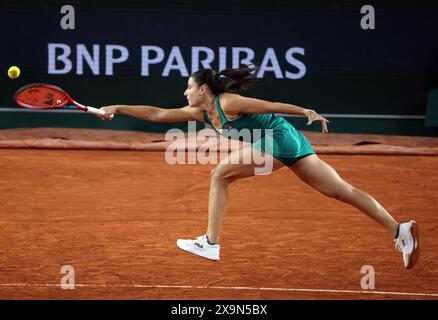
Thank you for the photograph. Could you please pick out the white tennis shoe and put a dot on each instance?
(200, 247)
(408, 243)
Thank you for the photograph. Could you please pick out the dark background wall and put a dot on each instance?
(351, 75)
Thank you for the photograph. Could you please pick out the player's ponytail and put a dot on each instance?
(227, 80)
(237, 80)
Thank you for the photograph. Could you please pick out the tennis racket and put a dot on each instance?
(42, 96)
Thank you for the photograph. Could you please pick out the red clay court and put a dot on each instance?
(115, 215)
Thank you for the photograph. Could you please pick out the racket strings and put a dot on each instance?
(41, 98)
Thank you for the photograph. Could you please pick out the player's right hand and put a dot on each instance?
(110, 111)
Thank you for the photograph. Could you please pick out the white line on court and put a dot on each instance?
(328, 115)
(362, 116)
(144, 286)
(41, 111)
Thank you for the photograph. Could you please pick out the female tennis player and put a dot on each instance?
(213, 98)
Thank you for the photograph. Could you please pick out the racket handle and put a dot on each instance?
(97, 112)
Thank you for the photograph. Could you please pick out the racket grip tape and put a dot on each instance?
(96, 111)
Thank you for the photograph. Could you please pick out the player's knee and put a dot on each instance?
(222, 173)
(218, 173)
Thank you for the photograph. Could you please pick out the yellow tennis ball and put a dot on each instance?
(14, 72)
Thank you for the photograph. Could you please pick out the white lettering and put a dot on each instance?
(68, 281)
(368, 281)
(177, 146)
(68, 21)
(83, 54)
(61, 60)
(146, 60)
(247, 60)
(296, 63)
(205, 62)
(368, 21)
(110, 60)
(222, 58)
(63, 57)
(270, 58)
(175, 56)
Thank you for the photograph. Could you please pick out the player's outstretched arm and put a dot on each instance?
(153, 114)
(238, 104)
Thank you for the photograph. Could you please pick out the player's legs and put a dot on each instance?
(227, 171)
(322, 177)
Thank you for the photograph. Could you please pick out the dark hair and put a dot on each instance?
(227, 80)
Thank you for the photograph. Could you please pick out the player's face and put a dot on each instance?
(193, 93)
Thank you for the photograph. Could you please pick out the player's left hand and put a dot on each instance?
(312, 115)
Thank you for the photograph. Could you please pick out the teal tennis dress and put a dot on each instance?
(286, 143)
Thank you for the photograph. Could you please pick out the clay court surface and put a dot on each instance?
(115, 216)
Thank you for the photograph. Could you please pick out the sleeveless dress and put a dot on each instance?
(268, 133)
